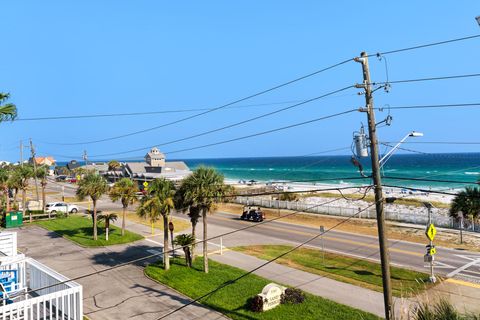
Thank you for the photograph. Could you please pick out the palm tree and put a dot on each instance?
(107, 217)
(186, 206)
(468, 202)
(185, 241)
(113, 165)
(8, 111)
(164, 191)
(4, 176)
(42, 174)
(21, 177)
(204, 188)
(124, 190)
(93, 186)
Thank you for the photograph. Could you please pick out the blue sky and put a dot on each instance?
(95, 57)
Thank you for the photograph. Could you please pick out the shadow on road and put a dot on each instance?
(113, 258)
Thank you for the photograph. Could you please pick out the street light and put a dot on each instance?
(387, 156)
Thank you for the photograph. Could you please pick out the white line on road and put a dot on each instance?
(465, 266)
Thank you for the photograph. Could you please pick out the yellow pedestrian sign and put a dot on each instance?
(431, 232)
(433, 250)
(145, 184)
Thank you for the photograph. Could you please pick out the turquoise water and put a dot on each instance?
(461, 167)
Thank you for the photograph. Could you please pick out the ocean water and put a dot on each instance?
(463, 168)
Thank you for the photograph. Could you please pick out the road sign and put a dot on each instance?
(433, 251)
(431, 232)
(78, 177)
(145, 184)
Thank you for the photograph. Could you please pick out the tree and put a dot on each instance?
(204, 188)
(186, 206)
(20, 179)
(113, 165)
(4, 176)
(468, 202)
(185, 241)
(160, 198)
(107, 217)
(42, 174)
(8, 111)
(288, 196)
(93, 186)
(124, 190)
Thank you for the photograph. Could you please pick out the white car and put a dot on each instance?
(54, 207)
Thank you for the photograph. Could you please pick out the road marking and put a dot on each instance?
(465, 266)
(464, 283)
(439, 265)
(153, 251)
(345, 241)
(156, 242)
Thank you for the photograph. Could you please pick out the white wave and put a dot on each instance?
(472, 173)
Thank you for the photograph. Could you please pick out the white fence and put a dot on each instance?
(8, 243)
(60, 301)
(401, 216)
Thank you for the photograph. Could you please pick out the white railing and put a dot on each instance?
(62, 301)
(407, 216)
(8, 243)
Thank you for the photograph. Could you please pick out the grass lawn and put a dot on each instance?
(79, 229)
(362, 273)
(232, 299)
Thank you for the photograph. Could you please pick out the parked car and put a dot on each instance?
(254, 214)
(71, 180)
(60, 178)
(54, 207)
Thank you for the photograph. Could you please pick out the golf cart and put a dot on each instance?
(254, 214)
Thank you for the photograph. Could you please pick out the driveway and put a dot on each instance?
(123, 293)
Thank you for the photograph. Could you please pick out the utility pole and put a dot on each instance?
(21, 153)
(32, 150)
(85, 157)
(377, 181)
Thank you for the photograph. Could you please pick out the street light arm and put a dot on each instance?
(387, 156)
(384, 159)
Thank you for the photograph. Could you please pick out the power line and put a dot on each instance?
(228, 126)
(430, 180)
(404, 149)
(170, 251)
(225, 105)
(262, 265)
(264, 132)
(456, 105)
(429, 79)
(180, 110)
(440, 142)
(426, 45)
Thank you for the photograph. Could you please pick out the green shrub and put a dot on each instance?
(293, 296)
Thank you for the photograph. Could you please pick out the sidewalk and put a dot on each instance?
(344, 293)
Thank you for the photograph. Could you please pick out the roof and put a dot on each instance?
(97, 167)
(73, 165)
(177, 165)
(45, 160)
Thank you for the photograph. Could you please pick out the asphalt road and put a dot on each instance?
(448, 262)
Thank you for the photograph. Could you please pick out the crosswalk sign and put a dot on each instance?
(431, 232)
(145, 184)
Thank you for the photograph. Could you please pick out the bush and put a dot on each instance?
(256, 304)
(292, 296)
(60, 214)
